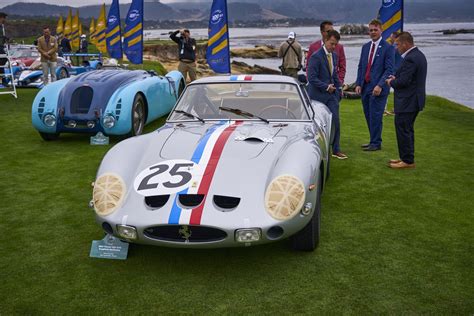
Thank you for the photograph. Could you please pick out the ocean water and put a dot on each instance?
(450, 57)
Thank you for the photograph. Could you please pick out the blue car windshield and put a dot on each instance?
(272, 101)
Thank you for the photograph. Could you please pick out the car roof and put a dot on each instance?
(246, 78)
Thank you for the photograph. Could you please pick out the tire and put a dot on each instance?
(63, 74)
(328, 168)
(49, 137)
(138, 115)
(307, 239)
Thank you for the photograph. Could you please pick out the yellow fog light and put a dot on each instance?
(108, 193)
(284, 197)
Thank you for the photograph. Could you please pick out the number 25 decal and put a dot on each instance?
(167, 177)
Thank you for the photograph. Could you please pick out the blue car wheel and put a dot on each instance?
(49, 137)
(138, 115)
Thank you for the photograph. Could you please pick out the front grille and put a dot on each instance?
(81, 100)
(185, 233)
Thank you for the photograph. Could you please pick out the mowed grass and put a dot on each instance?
(392, 241)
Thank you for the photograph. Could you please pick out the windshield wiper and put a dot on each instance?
(189, 115)
(243, 113)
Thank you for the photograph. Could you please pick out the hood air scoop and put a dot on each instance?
(256, 134)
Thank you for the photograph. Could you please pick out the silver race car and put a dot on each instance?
(241, 160)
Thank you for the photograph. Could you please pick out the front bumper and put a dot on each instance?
(201, 236)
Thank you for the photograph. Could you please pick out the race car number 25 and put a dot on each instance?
(166, 177)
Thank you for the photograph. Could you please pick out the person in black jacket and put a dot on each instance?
(409, 84)
(3, 43)
(187, 53)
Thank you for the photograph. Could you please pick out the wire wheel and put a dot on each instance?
(62, 74)
(138, 115)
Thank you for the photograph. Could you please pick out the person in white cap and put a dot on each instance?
(83, 46)
(292, 56)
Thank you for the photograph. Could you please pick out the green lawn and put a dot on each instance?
(393, 241)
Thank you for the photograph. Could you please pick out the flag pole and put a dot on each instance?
(228, 39)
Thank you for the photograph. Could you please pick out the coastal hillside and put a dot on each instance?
(341, 11)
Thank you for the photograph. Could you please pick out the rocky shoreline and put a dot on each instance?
(167, 55)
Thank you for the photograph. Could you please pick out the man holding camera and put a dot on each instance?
(292, 56)
(187, 53)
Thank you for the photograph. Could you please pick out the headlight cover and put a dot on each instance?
(49, 120)
(109, 191)
(284, 197)
(108, 121)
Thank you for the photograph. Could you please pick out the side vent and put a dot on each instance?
(226, 203)
(118, 109)
(41, 108)
(156, 201)
(190, 200)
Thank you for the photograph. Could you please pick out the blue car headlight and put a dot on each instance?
(49, 120)
(108, 121)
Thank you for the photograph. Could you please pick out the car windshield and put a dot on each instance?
(25, 53)
(241, 101)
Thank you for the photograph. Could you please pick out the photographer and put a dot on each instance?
(3, 43)
(187, 53)
(292, 56)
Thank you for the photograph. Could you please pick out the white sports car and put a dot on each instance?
(241, 160)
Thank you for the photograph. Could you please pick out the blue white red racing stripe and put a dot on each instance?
(240, 78)
(207, 155)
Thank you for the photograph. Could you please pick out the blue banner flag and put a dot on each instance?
(133, 34)
(113, 33)
(218, 51)
(391, 15)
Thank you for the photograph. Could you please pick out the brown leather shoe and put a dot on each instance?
(339, 155)
(394, 161)
(402, 165)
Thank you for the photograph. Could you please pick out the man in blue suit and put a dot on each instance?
(375, 66)
(324, 85)
(409, 84)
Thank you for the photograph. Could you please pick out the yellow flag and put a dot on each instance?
(75, 32)
(80, 29)
(60, 27)
(92, 31)
(100, 29)
(68, 25)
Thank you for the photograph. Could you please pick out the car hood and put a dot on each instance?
(240, 166)
(91, 91)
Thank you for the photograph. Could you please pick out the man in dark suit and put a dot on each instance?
(375, 66)
(409, 84)
(324, 85)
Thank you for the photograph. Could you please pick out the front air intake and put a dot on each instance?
(81, 100)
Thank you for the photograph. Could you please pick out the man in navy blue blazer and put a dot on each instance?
(375, 66)
(409, 84)
(324, 85)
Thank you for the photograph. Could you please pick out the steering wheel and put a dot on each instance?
(274, 106)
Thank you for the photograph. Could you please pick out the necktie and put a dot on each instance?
(330, 62)
(369, 65)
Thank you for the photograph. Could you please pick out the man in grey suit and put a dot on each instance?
(409, 84)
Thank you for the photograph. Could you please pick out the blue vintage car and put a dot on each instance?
(32, 77)
(114, 102)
